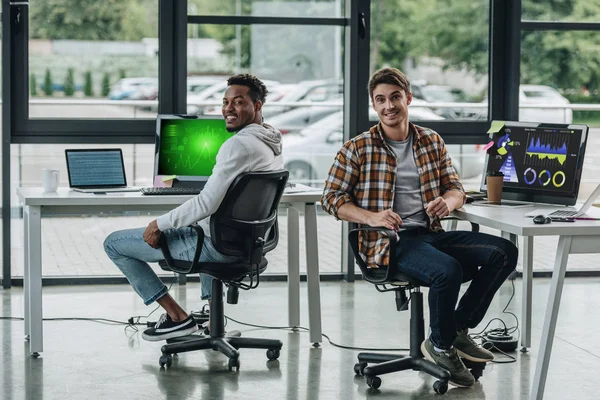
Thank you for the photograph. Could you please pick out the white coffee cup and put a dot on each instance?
(50, 179)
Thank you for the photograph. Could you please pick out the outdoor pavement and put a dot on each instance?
(73, 246)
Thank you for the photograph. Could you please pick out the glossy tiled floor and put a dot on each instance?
(85, 360)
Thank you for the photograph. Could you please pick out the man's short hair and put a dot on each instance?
(258, 90)
(391, 76)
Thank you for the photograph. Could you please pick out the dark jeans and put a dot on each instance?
(444, 261)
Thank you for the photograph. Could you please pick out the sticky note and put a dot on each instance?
(496, 126)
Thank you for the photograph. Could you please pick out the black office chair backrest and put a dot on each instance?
(248, 214)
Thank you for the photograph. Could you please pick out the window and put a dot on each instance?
(558, 10)
(274, 8)
(90, 59)
(303, 75)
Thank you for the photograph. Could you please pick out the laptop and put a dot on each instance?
(568, 212)
(97, 171)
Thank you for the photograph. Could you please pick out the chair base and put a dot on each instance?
(226, 345)
(387, 363)
(217, 340)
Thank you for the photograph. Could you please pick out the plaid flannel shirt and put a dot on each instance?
(364, 173)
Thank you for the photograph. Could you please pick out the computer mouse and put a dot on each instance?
(541, 219)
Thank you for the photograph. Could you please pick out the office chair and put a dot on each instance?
(245, 225)
(387, 280)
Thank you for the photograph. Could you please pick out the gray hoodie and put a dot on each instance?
(254, 148)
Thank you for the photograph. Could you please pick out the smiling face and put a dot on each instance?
(391, 104)
(239, 110)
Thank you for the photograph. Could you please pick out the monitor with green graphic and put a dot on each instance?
(187, 146)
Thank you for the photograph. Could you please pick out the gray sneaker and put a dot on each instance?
(448, 359)
(467, 348)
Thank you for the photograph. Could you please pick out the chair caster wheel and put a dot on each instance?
(476, 368)
(374, 382)
(440, 387)
(165, 359)
(233, 363)
(273, 354)
(477, 373)
(359, 368)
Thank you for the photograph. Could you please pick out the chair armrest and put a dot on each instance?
(474, 226)
(393, 238)
(182, 267)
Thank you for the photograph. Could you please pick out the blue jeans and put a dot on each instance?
(444, 261)
(131, 254)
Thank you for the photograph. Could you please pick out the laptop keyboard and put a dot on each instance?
(563, 213)
(152, 191)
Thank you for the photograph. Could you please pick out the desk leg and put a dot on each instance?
(312, 273)
(527, 292)
(26, 318)
(558, 278)
(451, 225)
(293, 267)
(34, 289)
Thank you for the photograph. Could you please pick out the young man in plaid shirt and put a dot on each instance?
(399, 175)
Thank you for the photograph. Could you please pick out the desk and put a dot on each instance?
(574, 238)
(37, 205)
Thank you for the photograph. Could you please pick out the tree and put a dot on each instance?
(48, 83)
(32, 85)
(122, 74)
(69, 87)
(105, 84)
(93, 20)
(88, 87)
(563, 59)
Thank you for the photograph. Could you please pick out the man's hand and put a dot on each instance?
(438, 208)
(386, 218)
(152, 234)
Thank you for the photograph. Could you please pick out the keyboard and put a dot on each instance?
(563, 213)
(172, 191)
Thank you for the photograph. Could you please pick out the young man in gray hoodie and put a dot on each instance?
(256, 146)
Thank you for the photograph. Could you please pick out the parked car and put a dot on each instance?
(538, 95)
(309, 154)
(213, 94)
(295, 120)
(134, 89)
(314, 91)
(197, 84)
(448, 94)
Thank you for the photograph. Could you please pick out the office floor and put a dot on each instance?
(85, 360)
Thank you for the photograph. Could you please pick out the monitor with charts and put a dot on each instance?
(186, 148)
(97, 171)
(541, 162)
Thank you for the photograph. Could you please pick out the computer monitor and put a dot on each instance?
(186, 147)
(541, 162)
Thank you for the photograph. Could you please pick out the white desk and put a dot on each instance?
(574, 238)
(66, 202)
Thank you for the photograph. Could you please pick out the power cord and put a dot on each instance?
(134, 321)
(304, 329)
(491, 338)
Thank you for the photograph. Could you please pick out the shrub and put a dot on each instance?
(105, 84)
(69, 88)
(122, 74)
(48, 83)
(88, 88)
(32, 85)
